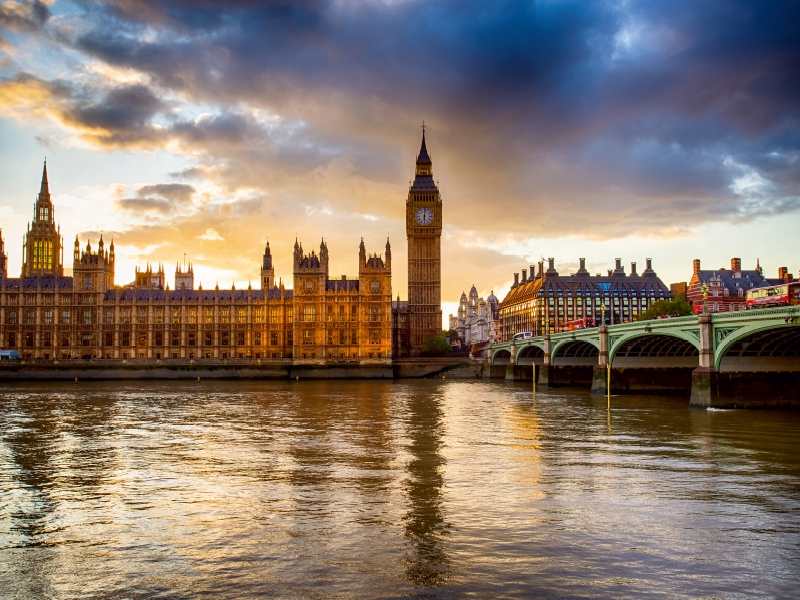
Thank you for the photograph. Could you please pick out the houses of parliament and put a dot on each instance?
(46, 315)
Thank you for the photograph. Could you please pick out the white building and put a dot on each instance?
(476, 320)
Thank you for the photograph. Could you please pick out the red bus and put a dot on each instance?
(776, 295)
(579, 324)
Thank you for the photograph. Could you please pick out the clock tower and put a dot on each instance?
(424, 232)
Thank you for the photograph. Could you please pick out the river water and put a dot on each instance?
(419, 489)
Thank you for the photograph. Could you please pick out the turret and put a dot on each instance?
(267, 272)
(388, 254)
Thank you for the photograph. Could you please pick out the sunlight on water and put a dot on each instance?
(374, 489)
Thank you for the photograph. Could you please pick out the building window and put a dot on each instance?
(209, 339)
(65, 339)
(142, 315)
(342, 337)
(354, 313)
(258, 315)
(225, 315)
(374, 286)
(142, 338)
(126, 338)
(309, 313)
(209, 315)
(159, 338)
(30, 317)
(240, 338)
(257, 338)
(12, 339)
(241, 316)
(273, 338)
(42, 254)
(275, 315)
(126, 316)
(374, 313)
(87, 282)
(192, 315)
(87, 316)
(86, 339)
(176, 338)
(48, 339)
(308, 337)
(159, 314)
(192, 339)
(226, 338)
(109, 338)
(48, 299)
(176, 315)
(354, 337)
(331, 333)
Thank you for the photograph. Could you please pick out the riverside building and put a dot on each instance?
(548, 302)
(727, 289)
(45, 315)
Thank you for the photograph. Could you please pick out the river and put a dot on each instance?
(360, 489)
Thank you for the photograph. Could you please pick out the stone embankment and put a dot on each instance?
(105, 369)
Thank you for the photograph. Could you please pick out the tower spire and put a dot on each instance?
(45, 189)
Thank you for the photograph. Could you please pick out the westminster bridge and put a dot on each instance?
(732, 359)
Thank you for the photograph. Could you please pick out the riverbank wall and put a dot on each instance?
(109, 370)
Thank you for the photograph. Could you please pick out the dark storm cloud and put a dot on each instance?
(23, 17)
(161, 198)
(652, 111)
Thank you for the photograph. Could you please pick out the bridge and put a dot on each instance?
(732, 359)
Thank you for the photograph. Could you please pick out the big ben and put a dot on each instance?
(424, 233)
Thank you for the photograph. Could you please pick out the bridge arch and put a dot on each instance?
(530, 354)
(501, 357)
(772, 347)
(662, 350)
(575, 352)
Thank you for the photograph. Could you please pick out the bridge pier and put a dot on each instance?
(543, 380)
(600, 372)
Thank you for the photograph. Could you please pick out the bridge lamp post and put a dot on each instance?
(603, 313)
(704, 289)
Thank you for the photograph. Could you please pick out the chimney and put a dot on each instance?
(696, 265)
(782, 273)
(609, 272)
(551, 264)
(583, 264)
(541, 269)
(516, 279)
(617, 264)
(736, 265)
(649, 262)
(524, 275)
(633, 268)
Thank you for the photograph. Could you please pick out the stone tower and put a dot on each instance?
(184, 280)
(3, 258)
(93, 271)
(41, 250)
(424, 232)
(267, 271)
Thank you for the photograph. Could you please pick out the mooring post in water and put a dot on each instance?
(442, 377)
(76, 380)
(534, 381)
(297, 378)
(198, 380)
(608, 382)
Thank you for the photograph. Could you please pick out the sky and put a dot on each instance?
(599, 130)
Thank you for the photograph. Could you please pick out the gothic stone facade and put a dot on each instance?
(45, 315)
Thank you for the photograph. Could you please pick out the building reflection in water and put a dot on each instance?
(425, 525)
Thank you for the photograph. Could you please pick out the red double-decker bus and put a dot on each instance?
(579, 324)
(776, 295)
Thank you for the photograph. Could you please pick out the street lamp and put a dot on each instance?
(704, 289)
(603, 313)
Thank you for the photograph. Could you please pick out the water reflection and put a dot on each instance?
(425, 525)
(378, 489)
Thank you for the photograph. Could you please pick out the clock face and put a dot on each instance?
(424, 216)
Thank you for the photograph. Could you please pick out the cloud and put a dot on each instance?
(589, 119)
(163, 198)
(211, 235)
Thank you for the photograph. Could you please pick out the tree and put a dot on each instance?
(676, 307)
(435, 346)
